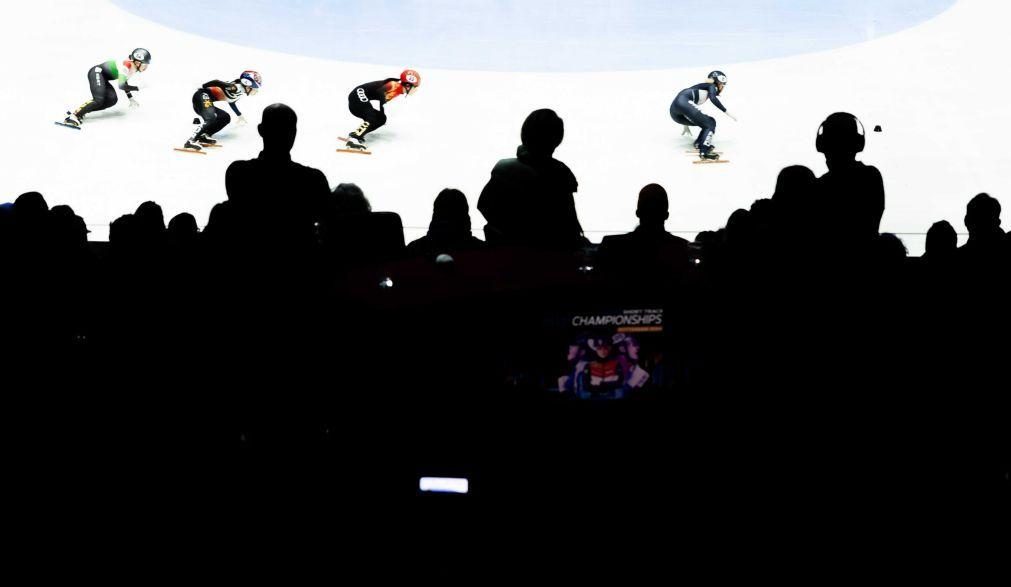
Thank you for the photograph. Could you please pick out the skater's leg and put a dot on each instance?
(359, 109)
(220, 121)
(677, 114)
(371, 118)
(375, 120)
(103, 95)
(204, 106)
(696, 117)
(705, 139)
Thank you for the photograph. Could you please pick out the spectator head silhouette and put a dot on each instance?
(350, 201)
(61, 212)
(31, 203)
(653, 206)
(739, 226)
(942, 242)
(891, 250)
(795, 185)
(707, 238)
(30, 210)
(794, 180)
(982, 216)
(450, 212)
(278, 128)
(542, 132)
(840, 138)
(183, 227)
(68, 229)
(80, 229)
(220, 223)
(149, 217)
(762, 211)
(123, 232)
(31, 220)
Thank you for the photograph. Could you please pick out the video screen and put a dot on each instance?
(602, 355)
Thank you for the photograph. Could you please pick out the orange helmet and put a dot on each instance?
(411, 78)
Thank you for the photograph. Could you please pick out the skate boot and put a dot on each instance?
(192, 146)
(706, 152)
(356, 141)
(206, 140)
(72, 120)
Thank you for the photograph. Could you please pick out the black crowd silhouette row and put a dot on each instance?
(800, 344)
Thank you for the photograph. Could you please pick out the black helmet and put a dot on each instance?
(141, 55)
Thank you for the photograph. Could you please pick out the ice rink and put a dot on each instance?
(932, 74)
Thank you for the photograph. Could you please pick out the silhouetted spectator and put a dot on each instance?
(73, 271)
(220, 224)
(982, 218)
(648, 253)
(221, 248)
(183, 229)
(449, 230)
(183, 240)
(149, 226)
(764, 219)
(123, 236)
(852, 193)
(150, 218)
(353, 234)
(795, 199)
(31, 223)
(69, 231)
(30, 205)
(277, 202)
(739, 228)
(890, 251)
(528, 200)
(350, 202)
(942, 244)
(706, 238)
(795, 185)
(937, 266)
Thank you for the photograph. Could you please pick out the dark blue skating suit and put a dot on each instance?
(685, 110)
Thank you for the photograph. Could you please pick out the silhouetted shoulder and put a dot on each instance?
(638, 238)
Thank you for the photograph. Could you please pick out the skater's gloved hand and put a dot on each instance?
(134, 103)
(241, 120)
(686, 131)
(732, 117)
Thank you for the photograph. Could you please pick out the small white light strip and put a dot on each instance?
(444, 485)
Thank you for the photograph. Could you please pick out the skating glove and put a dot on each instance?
(686, 131)
(731, 116)
(134, 103)
(241, 120)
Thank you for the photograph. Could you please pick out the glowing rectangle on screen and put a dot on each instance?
(444, 485)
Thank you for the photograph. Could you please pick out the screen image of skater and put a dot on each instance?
(611, 355)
